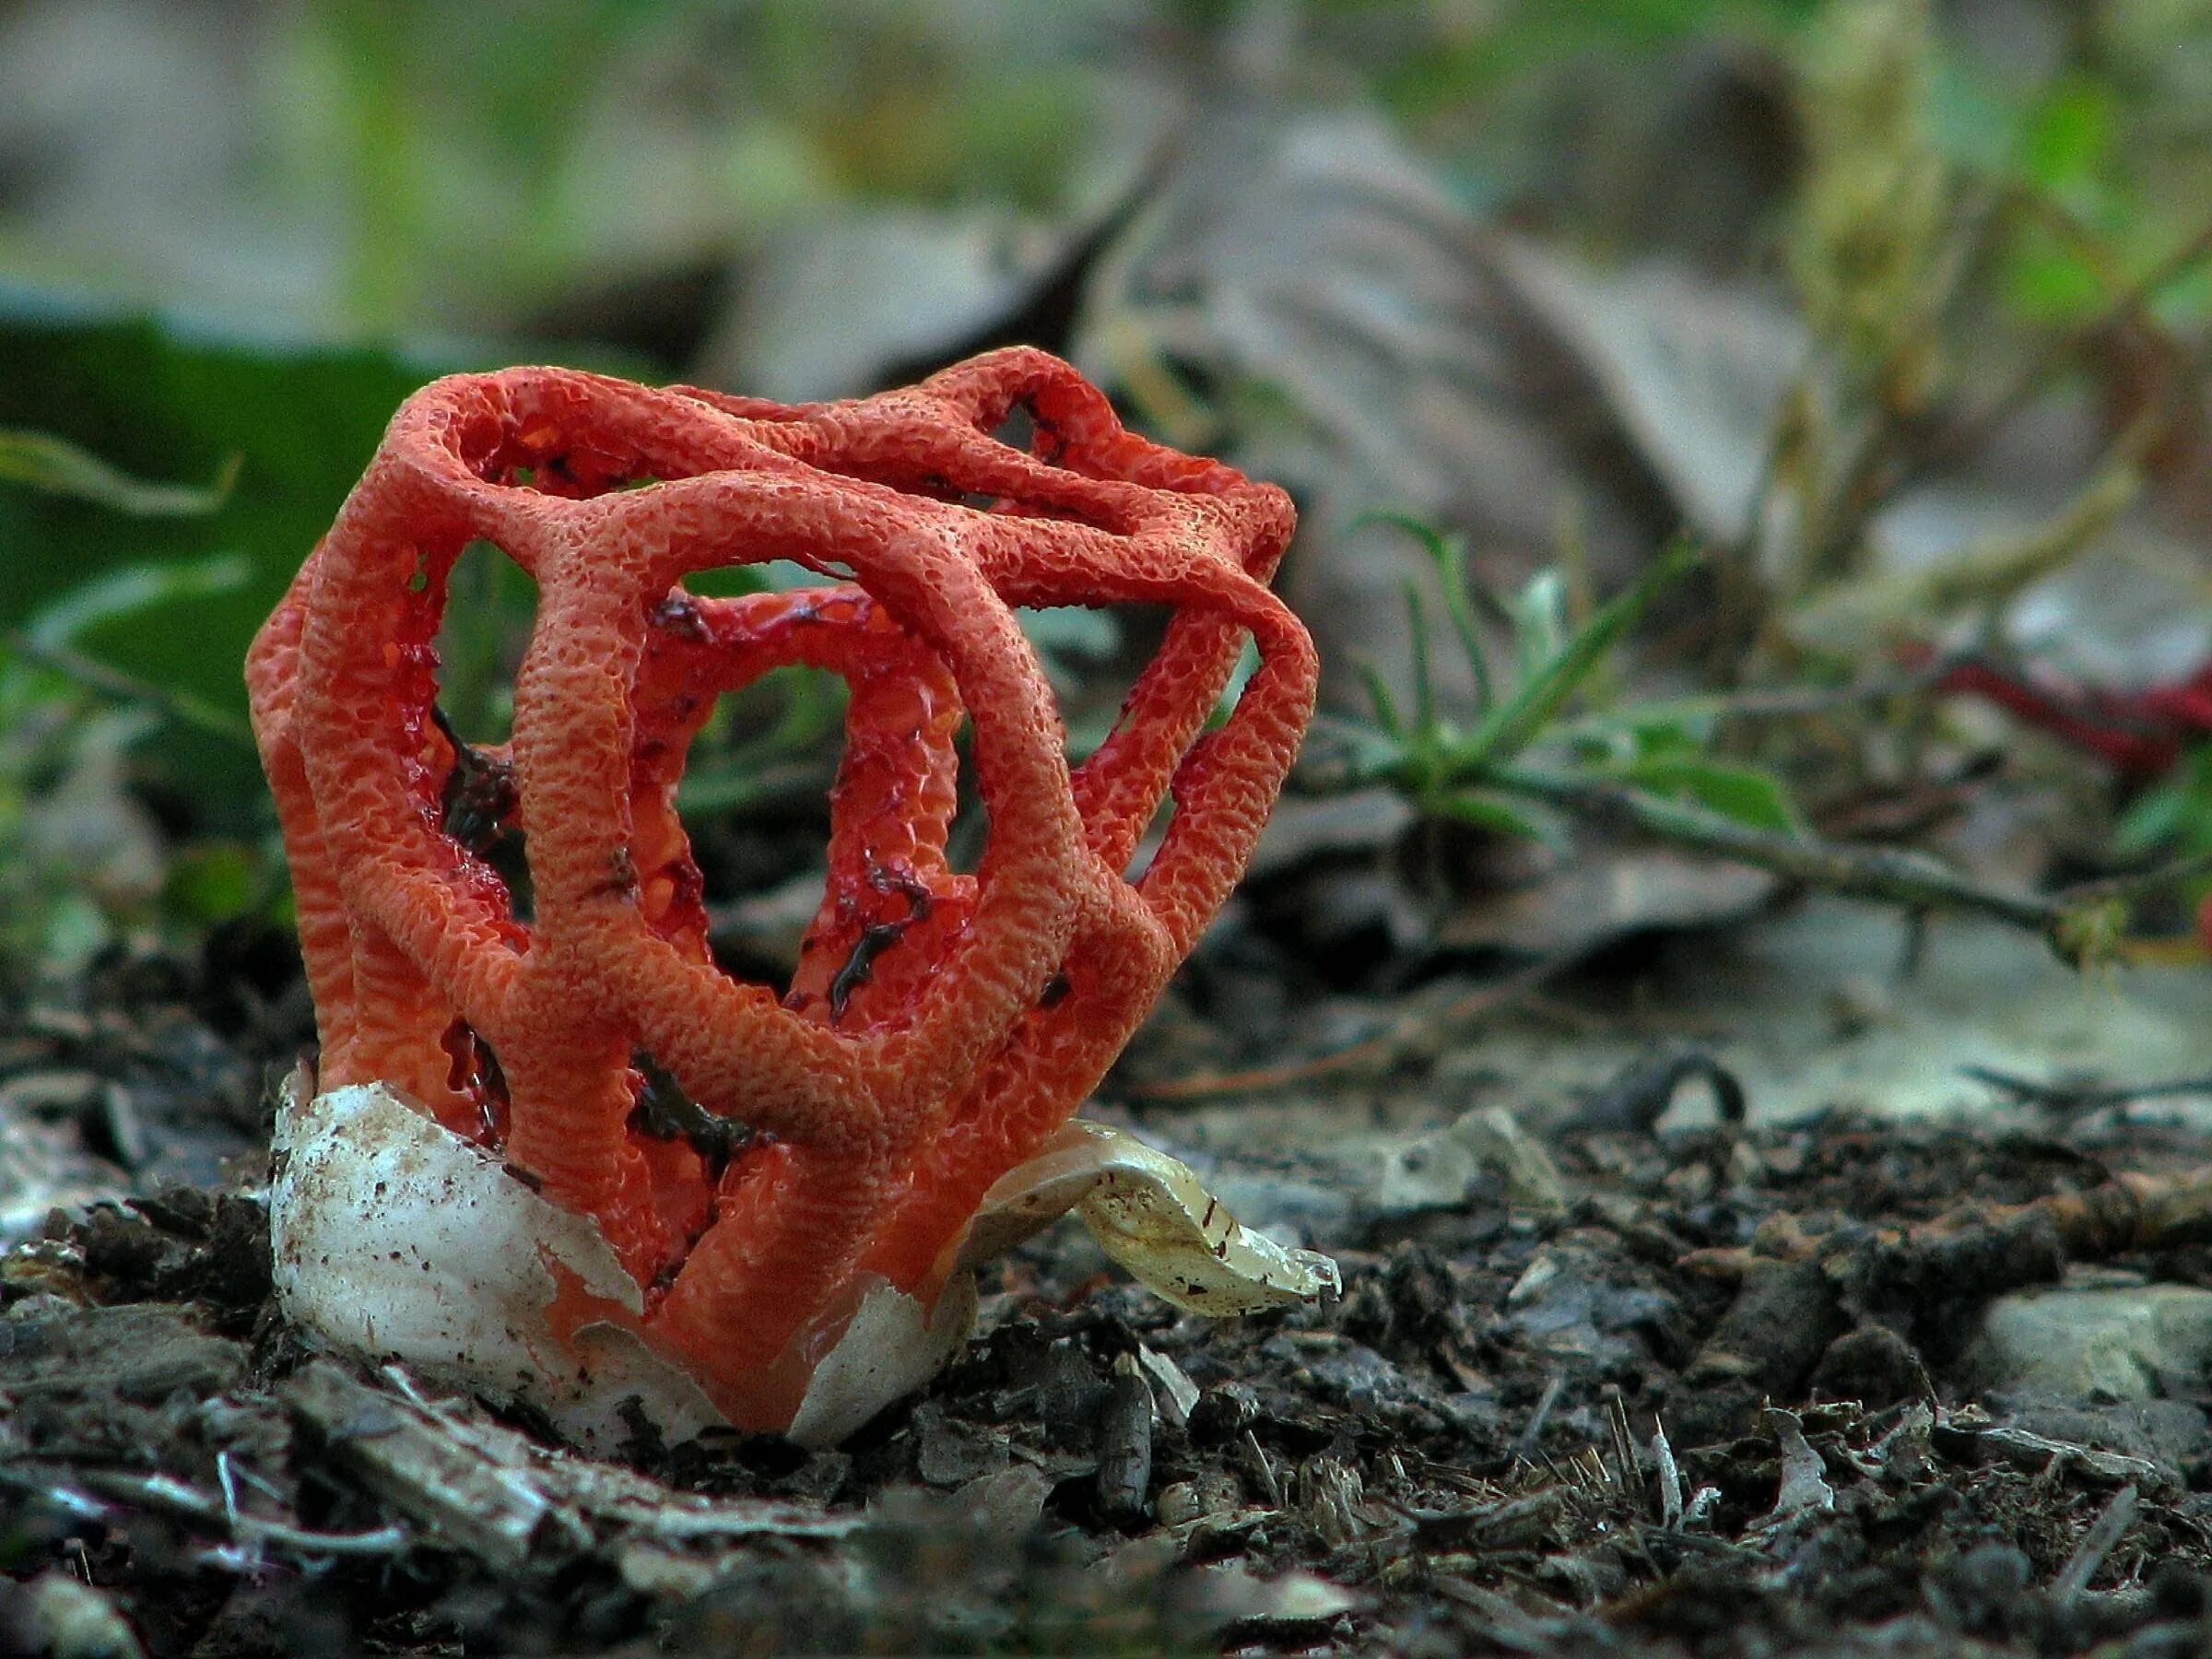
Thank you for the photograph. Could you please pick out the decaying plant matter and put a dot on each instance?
(940, 1024)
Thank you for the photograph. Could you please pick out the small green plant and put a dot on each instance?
(2175, 815)
(1528, 764)
(2173, 820)
(1522, 748)
(80, 859)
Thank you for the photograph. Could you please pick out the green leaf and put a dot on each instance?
(1387, 717)
(2174, 816)
(1658, 740)
(1509, 726)
(136, 592)
(213, 882)
(2068, 142)
(1449, 555)
(154, 400)
(1523, 820)
(1744, 794)
(59, 467)
(1424, 713)
(140, 594)
(2155, 819)
(1539, 615)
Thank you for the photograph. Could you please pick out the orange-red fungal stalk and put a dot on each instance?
(940, 1026)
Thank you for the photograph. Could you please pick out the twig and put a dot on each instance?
(1625, 1461)
(167, 1494)
(2075, 921)
(2104, 1533)
(1409, 1035)
(1256, 1460)
(1911, 880)
(1893, 456)
(1525, 1448)
(2143, 884)
(2129, 1214)
(2070, 1097)
(1670, 1476)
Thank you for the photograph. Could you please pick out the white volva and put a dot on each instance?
(396, 1240)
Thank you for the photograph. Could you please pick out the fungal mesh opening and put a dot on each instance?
(755, 805)
(1154, 625)
(971, 830)
(554, 451)
(474, 1073)
(490, 604)
(1018, 428)
(1092, 655)
(665, 1113)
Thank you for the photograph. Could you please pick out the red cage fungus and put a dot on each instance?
(940, 1026)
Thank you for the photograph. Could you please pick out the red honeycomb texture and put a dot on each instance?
(940, 1024)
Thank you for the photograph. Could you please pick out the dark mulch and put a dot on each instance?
(1713, 1407)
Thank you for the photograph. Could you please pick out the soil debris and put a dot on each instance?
(1731, 1390)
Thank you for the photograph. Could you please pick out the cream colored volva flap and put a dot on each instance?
(892, 1348)
(1153, 1215)
(397, 1239)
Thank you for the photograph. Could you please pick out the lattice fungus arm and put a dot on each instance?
(941, 1026)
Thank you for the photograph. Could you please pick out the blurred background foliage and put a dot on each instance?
(355, 169)
(1559, 279)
